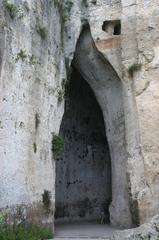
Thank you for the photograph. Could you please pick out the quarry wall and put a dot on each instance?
(37, 45)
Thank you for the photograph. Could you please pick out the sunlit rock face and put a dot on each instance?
(37, 46)
(31, 73)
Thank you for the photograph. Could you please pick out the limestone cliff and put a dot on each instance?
(38, 42)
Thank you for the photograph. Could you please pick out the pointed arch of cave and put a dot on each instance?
(95, 70)
(83, 169)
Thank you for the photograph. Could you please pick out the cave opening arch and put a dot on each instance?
(83, 169)
(106, 86)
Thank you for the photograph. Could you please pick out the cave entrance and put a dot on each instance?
(87, 181)
(83, 169)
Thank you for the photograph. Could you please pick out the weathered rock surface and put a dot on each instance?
(31, 75)
(147, 231)
(144, 232)
(37, 46)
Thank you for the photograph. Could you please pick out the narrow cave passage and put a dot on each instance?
(83, 169)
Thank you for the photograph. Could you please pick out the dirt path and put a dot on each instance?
(83, 230)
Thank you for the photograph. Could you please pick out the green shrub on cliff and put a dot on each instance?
(21, 55)
(42, 31)
(134, 68)
(57, 143)
(11, 9)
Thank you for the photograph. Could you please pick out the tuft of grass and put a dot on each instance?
(57, 143)
(134, 68)
(11, 9)
(42, 31)
(21, 55)
(32, 60)
(20, 232)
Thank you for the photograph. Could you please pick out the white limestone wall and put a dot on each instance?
(30, 90)
(138, 43)
(29, 109)
(147, 97)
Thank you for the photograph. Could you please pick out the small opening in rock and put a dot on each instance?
(112, 27)
(117, 29)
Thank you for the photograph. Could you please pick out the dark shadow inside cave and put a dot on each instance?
(83, 168)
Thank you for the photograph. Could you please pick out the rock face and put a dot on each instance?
(108, 91)
(146, 231)
(31, 75)
(114, 46)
